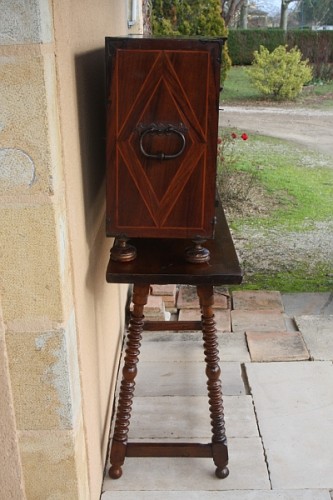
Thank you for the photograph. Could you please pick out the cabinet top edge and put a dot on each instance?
(144, 39)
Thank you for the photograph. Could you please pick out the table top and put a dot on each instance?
(162, 261)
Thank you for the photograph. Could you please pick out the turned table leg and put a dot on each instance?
(126, 393)
(214, 386)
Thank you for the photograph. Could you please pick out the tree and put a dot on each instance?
(315, 12)
(190, 17)
(243, 15)
(231, 9)
(146, 14)
(284, 13)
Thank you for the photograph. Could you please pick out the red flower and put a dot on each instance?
(233, 135)
(219, 140)
(244, 136)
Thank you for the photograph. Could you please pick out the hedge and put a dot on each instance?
(317, 46)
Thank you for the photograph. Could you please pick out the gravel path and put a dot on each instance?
(269, 251)
(310, 127)
(273, 251)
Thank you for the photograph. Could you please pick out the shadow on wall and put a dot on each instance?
(90, 83)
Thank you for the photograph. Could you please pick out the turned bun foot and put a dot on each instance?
(122, 251)
(115, 472)
(197, 254)
(222, 473)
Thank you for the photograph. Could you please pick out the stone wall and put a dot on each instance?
(62, 323)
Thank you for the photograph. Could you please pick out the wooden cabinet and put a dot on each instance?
(162, 128)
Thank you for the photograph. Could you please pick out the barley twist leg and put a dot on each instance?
(126, 393)
(214, 385)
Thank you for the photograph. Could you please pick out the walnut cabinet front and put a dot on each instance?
(162, 128)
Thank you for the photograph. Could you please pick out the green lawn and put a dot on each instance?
(238, 89)
(295, 187)
(290, 175)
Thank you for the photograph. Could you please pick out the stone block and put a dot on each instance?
(222, 317)
(188, 298)
(293, 403)
(193, 314)
(306, 304)
(30, 151)
(173, 351)
(30, 22)
(233, 347)
(154, 310)
(164, 290)
(188, 417)
(157, 378)
(257, 300)
(45, 378)
(55, 464)
(276, 346)
(168, 294)
(154, 305)
(258, 321)
(317, 332)
(189, 347)
(172, 336)
(11, 478)
(34, 264)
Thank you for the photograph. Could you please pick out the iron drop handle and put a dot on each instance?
(157, 129)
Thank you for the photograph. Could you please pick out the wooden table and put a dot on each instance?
(161, 261)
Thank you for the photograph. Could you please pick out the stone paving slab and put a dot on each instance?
(294, 407)
(301, 304)
(164, 290)
(188, 417)
(257, 300)
(154, 304)
(222, 317)
(168, 293)
(232, 347)
(171, 336)
(174, 351)
(188, 298)
(216, 495)
(155, 308)
(246, 463)
(276, 346)
(258, 321)
(185, 379)
(317, 332)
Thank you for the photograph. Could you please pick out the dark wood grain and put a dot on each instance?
(162, 261)
(162, 81)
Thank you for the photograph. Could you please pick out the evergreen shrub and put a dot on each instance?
(279, 74)
(191, 18)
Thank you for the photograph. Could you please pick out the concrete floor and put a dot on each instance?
(279, 414)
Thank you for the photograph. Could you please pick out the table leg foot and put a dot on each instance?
(115, 472)
(222, 473)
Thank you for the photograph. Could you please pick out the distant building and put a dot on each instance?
(322, 28)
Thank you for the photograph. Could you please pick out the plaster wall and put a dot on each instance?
(62, 323)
